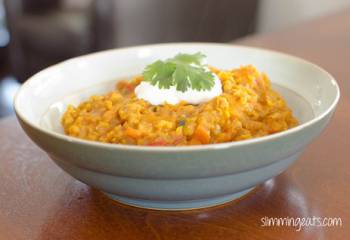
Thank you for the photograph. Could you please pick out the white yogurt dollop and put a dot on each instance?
(156, 96)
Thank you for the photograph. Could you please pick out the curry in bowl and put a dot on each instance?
(246, 107)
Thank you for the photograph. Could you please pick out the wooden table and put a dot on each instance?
(40, 201)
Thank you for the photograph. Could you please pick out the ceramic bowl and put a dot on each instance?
(173, 177)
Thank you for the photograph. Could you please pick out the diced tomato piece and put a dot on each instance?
(177, 140)
(158, 142)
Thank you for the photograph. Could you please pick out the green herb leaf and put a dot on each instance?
(183, 71)
(160, 73)
(188, 58)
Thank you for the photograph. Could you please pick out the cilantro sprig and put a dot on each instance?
(183, 71)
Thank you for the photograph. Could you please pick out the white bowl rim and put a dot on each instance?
(204, 147)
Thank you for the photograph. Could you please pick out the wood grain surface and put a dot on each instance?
(40, 201)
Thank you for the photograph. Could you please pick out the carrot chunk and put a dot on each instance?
(133, 133)
(202, 134)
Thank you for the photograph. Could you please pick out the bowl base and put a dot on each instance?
(178, 205)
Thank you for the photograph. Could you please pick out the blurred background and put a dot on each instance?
(35, 34)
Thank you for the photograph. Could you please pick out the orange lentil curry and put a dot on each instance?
(247, 108)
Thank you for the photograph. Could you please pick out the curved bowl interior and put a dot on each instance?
(94, 74)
